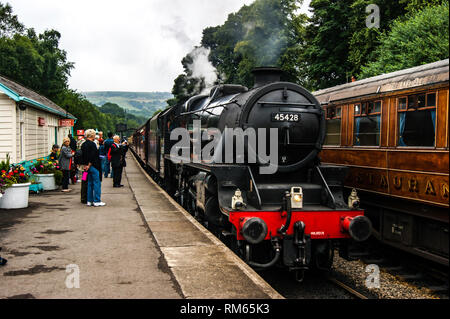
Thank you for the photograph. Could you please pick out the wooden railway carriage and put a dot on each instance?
(392, 130)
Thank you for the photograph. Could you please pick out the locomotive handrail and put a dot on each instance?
(206, 108)
(327, 188)
(286, 103)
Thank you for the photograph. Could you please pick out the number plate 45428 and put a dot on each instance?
(285, 117)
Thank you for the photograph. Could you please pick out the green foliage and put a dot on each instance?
(137, 103)
(265, 33)
(9, 23)
(421, 38)
(364, 41)
(5, 164)
(58, 177)
(37, 62)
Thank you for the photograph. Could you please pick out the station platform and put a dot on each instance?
(142, 244)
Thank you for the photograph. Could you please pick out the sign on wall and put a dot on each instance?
(66, 122)
(41, 121)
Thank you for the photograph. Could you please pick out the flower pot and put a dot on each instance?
(15, 196)
(47, 180)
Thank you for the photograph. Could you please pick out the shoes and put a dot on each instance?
(99, 204)
(117, 185)
(89, 204)
(66, 190)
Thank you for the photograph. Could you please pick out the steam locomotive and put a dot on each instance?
(293, 214)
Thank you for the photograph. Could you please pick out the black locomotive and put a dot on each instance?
(293, 216)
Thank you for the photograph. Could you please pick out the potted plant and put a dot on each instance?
(44, 171)
(14, 188)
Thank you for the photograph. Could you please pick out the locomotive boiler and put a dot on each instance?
(271, 201)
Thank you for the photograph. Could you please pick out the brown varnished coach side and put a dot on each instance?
(415, 173)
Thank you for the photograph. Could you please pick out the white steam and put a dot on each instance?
(202, 68)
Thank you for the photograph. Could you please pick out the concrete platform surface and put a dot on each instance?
(142, 244)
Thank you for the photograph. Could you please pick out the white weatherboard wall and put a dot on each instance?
(20, 134)
(7, 127)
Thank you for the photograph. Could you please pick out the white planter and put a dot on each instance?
(15, 196)
(47, 180)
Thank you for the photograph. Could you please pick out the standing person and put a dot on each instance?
(116, 156)
(73, 143)
(79, 160)
(65, 162)
(54, 153)
(92, 158)
(73, 169)
(108, 142)
(103, 157)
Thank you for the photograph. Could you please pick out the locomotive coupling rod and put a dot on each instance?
(286, 207)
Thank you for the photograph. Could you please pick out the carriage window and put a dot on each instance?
(417, 122)
(431, 99)
(402, 103)
(366, 129)
(333, 133)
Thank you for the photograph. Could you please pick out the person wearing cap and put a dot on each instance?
(55, 153)
(65, 160)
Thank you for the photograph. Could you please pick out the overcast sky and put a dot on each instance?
(134, 45)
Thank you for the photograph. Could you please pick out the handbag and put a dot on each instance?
(84, 177)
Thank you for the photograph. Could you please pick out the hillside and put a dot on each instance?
(137, 103)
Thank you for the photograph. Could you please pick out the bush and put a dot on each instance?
(420, 39)
(58, 177)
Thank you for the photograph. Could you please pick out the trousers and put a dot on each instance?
(94, 190)
(117, 175)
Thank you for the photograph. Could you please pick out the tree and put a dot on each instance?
(9, 23)
(327, 43)
(365, 40)
(260, 34)
(421, 38)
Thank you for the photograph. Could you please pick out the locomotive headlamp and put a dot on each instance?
(296, 197)
(237, 201)
(353, 199)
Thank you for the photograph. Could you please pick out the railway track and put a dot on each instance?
(322, 285)
(347, 288)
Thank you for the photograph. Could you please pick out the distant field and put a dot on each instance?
(137, 103)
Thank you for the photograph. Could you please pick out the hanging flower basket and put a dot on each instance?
(15, 196)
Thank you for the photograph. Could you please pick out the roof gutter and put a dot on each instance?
(17, 98)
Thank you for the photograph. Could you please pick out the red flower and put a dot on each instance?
(21, 174)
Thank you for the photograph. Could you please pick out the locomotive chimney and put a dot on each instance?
(266, 75)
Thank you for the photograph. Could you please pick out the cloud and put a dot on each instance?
(135, 45)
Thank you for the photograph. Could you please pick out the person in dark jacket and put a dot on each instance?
(117, 160)
(108, 142)
(92, 159)
(55, 153)
(73, 142)
(65, 162)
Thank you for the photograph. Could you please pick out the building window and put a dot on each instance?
(333, 132)
(417, 119)
(366, 129)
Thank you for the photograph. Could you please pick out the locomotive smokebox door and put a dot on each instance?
(296, 197)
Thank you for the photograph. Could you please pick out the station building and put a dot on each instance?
(29, 123)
